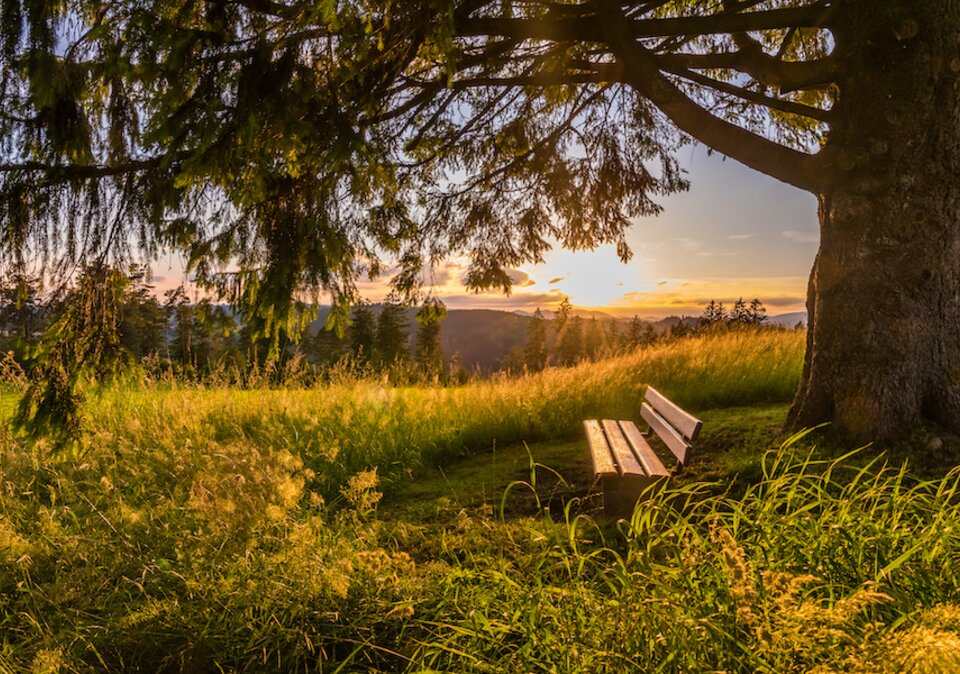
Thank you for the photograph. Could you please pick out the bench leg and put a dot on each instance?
(620, 493)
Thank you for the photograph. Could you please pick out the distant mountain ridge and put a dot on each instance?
(482, 338)
(583, 313)
(790, 320)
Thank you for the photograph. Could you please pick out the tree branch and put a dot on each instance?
(537, 147)
(557, 30)
(793, 17)
(786, 75)
(790, 166)
(63, 173)
(429, 89)
(755, 97)
(589, 29)
(264, 7)
(536, 80)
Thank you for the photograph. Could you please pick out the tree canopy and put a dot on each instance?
(296, 146)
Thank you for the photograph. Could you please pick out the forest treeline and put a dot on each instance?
(172, 335)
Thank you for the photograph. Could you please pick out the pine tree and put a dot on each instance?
(571, 342)
(326, 347)
(391, 344)
(144, 320)
(561, 320)
(429, 353)
(739, 315)
(681, 329)
(592, 339)
(180, 314)
(634, 336)
(757, 313)
(213, 331)
(535, 349)
(562, 315)
(514, 361)
(612, 336)
(649, 335)
(362, 333)
(708, 318)
(71, 353)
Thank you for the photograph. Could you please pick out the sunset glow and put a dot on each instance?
(594, 278)
(736, 234)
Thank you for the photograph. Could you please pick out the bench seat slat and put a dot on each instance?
(672, 439)
(626, 461)
(603, 464)
(686, 424)
(651, 464)
(625, 464)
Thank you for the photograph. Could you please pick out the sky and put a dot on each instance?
(735, 233)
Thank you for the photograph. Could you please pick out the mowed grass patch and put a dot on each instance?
(524, 479)
(511, 482)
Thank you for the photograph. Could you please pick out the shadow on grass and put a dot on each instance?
(548, 477)
(514, 481)
(525, 480)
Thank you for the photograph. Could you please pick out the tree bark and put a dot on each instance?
(883, 344)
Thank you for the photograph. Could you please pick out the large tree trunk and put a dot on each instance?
(883, 348)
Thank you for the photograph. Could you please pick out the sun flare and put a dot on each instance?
(595, 278)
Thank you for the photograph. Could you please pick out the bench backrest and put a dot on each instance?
(677, 429)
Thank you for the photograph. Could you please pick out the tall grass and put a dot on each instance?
(216, 530)
(234, 567)
(827, 568)
(344, 428)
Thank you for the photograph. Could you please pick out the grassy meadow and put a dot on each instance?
(360, 526)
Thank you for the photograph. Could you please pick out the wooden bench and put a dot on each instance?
(623, 460)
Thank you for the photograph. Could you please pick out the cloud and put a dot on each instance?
(686, 243)
(521, 279)
(729, 300)
(440, 276)
(714, 253)
(740, 237)
(556, 280)
(802, 237)
(676, 296)
(783, 301)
